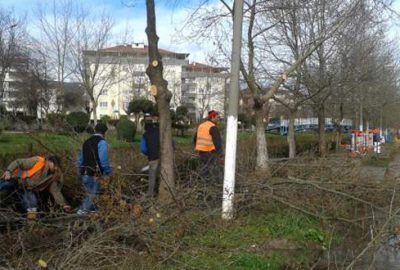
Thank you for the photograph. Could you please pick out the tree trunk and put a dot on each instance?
(163, 97)
(339, 127)
(137, 122)
(290, 136)
(338, 137)
(321, 128)
(2, 81)
(94, 111)
(167, 184)
(262, 150)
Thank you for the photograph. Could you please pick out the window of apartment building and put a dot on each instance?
(103, 104)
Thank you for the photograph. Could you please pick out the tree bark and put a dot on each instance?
(262, 150)
(163, 97)
(2, 80)
(94, 111)
(321, 128)
(138, 125)
(290, 136)
(338, 137)
(339, 127)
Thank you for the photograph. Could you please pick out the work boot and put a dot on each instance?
(31, 214)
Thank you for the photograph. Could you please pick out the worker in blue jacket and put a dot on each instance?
(150, 146)
(94, 167)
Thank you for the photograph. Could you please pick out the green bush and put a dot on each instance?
(28, 119)
(78, 121)
(106, 119)
(113, 122)
(56, 119)
(3, 110)
(126, 130)
(5, 123)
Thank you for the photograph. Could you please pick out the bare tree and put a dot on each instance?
(46, 88)
(26, 96)
(204, 98)
(55, 24)
(93, 69)
(288, 33)
(163, 97)
(12, 35)
(259, 24)
(33, 90)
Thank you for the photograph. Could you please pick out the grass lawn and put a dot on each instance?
(15, 143)
(245, 243)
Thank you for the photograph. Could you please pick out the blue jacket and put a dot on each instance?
(102, 148)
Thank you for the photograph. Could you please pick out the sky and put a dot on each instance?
(130, 17)
(395, 29)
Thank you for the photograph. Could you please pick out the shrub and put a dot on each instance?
(126, 130)
(78, 121)
(29, 119)
(56, 119)
(6, 123)
(113, 122)
(106, 119)
(140, 105)
(3, 110)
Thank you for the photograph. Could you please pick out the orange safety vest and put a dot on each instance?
(204, 142)
(23, 174)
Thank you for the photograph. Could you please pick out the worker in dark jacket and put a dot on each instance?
(34, 175)
(150, 146)
(208, 144)
(94, 166)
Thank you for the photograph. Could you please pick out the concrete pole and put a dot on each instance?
(232, 122)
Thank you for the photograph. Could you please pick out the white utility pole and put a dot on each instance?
(231, 126)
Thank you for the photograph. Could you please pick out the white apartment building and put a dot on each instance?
(189, 83)
(11, 83)
(204, 88)
(18, 92)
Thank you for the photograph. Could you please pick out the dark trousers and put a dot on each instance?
(27, 196)
(211, 174)
(209, 167)
(153, 177)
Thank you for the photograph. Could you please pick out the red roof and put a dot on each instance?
(129, 49)
(199, 67)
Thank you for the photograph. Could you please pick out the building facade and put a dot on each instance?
(197, 86)
(12, 82)
(204, 88)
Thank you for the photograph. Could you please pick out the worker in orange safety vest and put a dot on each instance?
(33, 175)
(208, 144)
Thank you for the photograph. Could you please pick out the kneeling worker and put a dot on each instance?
(35, 174)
